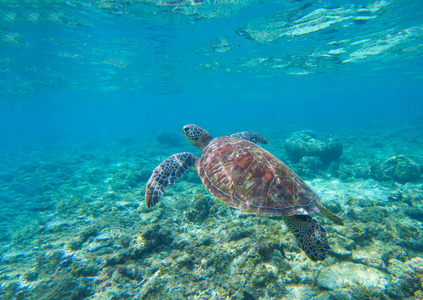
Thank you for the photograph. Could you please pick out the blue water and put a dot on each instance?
(74, 69)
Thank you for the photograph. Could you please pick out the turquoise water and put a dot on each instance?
(87, 87)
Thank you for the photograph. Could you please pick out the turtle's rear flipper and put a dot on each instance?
(251, 136)
(310, 235)
(166, 174)
(331, 216)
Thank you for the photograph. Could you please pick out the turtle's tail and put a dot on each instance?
(331, 216)
(310, 235)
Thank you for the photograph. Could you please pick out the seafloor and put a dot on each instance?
(74, 225)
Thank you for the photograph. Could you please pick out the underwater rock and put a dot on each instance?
(200, 209)
(395, 252)
(131, 272)
(55, 261)
(56, 225)
(415, 212)
(371, 214)
(237, 233)
(333, 206)
(97, 245)
(83, 237)
(304, 143)
(416, 264)
(10, 289)
(185, 261)
(341, 247)
(84, 268)
(369, 257)
(408, 277)
(309, 165)
(31, 276)
(341, 171)
(395, 196)
(340, 253)
(220, 45)
(266, 249)
(398, 168)
(264, 274)
(169, 138)
(348, 274)
(115, 259)
(14, 256)
(63, 286)
(152, 237)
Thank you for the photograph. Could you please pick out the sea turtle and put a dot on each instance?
(242, 174)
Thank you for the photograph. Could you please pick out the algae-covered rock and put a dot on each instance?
(408, 277)
(415, 212)
(394, 252)
(304, 143)
(115, 259)
(264, 274)
(131, 272)
(200, 209)
(369, 257)
(63, 286)
(84, 268)
(341, 247)
(398, 168)
(57, 225)
(238, 233)
(14, 256)
(309, 165)
(152, 237)
(372, 214)
(347, 275)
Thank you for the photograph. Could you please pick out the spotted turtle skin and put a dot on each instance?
(246, 176)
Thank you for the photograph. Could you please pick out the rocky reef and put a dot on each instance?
(398, 168)
(76, 227)
(305, 144)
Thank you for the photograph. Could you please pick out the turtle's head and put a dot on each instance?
(197, 136)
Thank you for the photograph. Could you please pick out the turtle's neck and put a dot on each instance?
(203, 141)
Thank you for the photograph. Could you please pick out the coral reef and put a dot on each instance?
(84, 232)
(304, 143)
(398, 168)
(309, 165)
(200, 209)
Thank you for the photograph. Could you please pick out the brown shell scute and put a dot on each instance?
(246, 176)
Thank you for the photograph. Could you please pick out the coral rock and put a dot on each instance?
(398, 168)
(348, 274)
(304, 143)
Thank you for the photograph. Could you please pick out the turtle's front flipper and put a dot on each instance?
(310, 235)
(251, 136)
(166, 174)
